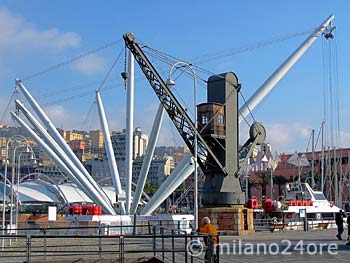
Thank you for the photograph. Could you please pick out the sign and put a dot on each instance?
(11, 229)
(302, 213)
(52, 213)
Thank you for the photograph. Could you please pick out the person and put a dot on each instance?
(339, 220)
(208, 228)
(348, 222)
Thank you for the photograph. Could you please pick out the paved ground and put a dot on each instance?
(285, 246)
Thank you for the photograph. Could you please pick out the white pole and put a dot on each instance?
(109, 149)
(313, 161)
(336, 188)
(17, 190)
(148, 158)
(246, 187)
(181, 172)
(129, 132)
(271, 82)
(271, 183)
(4, 188)
(195, 177)
(83, 184)
(4, 198)
(13, 184)
(35, 123)
(322, 160)
(50, 142)
(195, 155)
(73, 159)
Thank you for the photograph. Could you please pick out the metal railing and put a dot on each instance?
(267, 224)
(166, 243)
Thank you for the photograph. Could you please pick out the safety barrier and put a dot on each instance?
(167, 244)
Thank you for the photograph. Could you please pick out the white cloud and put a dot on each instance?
(3, 105)
(56, 114)
(288, 137)
(344, 138)
(283, 137)
(66, 119)
(90, 65)
(18, 34)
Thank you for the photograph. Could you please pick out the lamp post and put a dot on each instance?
(32, 157)
(246, 171)
(264, 168)
(18, 138)
(13, 182)
(169, 83)
(271, 182)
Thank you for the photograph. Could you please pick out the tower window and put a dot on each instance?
(204, 118)
(221, 119)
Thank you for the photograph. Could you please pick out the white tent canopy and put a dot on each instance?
(73, 194)
(36, 192)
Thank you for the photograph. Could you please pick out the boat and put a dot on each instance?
(302, 209)
(89, 220)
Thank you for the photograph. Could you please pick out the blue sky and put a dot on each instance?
(34, 35)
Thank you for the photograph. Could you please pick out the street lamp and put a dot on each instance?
(32, 158)
(18, 147)
(170, 82)
(18, 139)
(246, 171)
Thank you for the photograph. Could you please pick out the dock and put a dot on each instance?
(283, 246)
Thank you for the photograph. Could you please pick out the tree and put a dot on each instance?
(251, 184)
(263, 182)
(280, 180)
(150, 188)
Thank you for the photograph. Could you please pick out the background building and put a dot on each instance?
(96, 138)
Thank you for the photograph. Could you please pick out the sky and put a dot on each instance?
(37, 35)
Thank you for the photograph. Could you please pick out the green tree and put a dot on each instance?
(251, 184)
(264, 179)
(280, 180)
(150, 188)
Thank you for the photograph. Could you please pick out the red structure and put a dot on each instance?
(261, 179)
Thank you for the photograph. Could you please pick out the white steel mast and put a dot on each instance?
(181, 172)
(271, 82)
(148, 158)
(60, 141)
(71, 171)
(129, 132)
(109, 151)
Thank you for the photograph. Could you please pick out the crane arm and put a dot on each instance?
(176, 112)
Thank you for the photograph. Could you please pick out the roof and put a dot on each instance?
(72, 194)
(39, 191)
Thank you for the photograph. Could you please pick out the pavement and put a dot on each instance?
(283, 246)
(286, 246)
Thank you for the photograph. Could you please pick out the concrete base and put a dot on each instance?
(236, 220)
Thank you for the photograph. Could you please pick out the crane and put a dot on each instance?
(217, 155)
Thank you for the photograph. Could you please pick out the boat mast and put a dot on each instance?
(313, 161)
(322, 160)
(336, 190)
